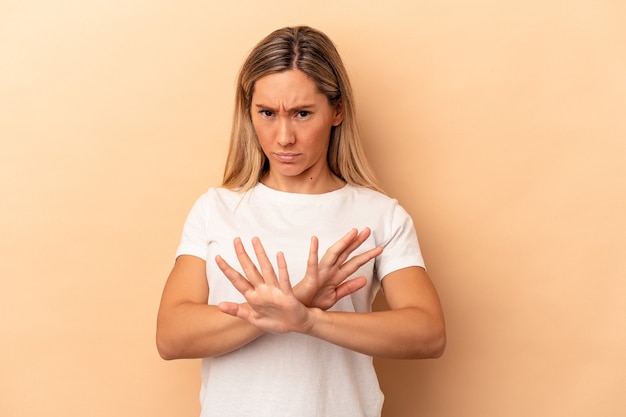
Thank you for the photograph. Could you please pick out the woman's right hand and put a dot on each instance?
(325, 282)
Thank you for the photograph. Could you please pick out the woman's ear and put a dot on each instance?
(338, 118)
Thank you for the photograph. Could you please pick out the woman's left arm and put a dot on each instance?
(412, 328)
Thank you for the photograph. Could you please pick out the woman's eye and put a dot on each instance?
(266, 113)
(303, 114)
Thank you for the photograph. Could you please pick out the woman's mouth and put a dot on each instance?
(286, 156)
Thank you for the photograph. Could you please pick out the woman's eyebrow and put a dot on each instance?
(262, 106)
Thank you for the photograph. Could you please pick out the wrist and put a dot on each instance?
(317, 321)
(304, 294)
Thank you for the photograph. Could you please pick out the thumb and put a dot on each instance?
(229, 308)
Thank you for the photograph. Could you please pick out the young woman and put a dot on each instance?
(281, 331)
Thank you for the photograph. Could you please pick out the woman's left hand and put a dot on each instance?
(271, 303)
(326, 281)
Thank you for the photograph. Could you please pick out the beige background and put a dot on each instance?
(500, 126)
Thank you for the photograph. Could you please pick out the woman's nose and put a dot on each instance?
(285, 134)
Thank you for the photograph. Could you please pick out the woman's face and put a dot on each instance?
(293, 121)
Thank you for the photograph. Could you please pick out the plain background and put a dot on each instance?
(499, 125)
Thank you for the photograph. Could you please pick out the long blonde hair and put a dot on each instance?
(313, 53)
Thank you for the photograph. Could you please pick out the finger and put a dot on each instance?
(234, 309)
(343, 248)
(311, 265)
(362, 237)
(248, 267)
(357, 242)
(239, 281)
(359, 260)
(350, 287)
(350, 267)
(283, 273)
(336, 249)
(267, 270)
(228, 308)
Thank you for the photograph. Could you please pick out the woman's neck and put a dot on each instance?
(304, 184)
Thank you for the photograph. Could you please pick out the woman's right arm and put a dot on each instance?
(187, 327)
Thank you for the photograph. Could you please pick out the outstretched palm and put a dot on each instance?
(273, 305)
(325, 282)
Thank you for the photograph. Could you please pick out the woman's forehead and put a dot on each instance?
(287, 90)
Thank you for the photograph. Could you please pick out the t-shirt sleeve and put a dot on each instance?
(401, 247)
(194, 240)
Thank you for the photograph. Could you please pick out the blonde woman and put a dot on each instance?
(281, 331)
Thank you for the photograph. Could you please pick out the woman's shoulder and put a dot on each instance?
(377, 203)
(369, 195)
(218, 195)
(221, 192)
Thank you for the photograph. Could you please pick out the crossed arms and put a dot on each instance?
(187, 327)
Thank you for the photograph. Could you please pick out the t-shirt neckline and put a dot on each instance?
(286, 196)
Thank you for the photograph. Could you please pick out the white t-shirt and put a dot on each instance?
(294, 375)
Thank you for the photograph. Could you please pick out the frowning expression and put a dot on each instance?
(293, 122)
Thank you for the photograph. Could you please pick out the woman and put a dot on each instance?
(295, 336)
